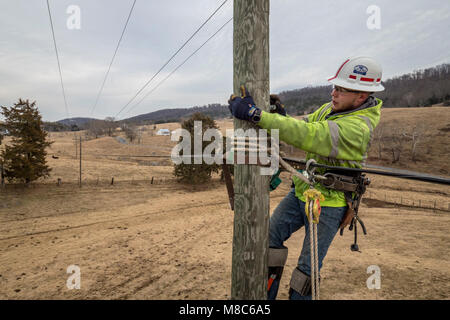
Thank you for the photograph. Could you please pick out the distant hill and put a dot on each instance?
(77, 121)
(420, 88)
(215, 111)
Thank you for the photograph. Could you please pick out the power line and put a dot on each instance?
(170, 59)
(112, 60)
(179, 66)
(57, 58)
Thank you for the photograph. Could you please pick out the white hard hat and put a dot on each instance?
(360, 74)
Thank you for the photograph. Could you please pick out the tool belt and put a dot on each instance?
(334, 180)
(338, 180)
(352, 184)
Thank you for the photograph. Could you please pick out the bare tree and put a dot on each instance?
(110, 125)
(130, 131)
(378, 139)
(96, 128)
(395, 142)
(416, 136)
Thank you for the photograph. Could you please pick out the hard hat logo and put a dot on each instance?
(360, 69)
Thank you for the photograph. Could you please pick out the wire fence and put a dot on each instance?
(434, 204)
(103, 181)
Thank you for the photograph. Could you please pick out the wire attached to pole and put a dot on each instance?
(57, 59)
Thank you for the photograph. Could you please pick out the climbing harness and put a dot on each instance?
(353, 186)
(333, 179)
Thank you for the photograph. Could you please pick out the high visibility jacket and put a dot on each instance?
(337, 139)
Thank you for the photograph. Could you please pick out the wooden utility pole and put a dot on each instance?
(251, 209)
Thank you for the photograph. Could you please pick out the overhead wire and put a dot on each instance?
(57, 59)
(179, 66)
(170, 59)
(113, 57)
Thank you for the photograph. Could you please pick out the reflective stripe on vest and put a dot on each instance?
(369, 125)
(334, 133)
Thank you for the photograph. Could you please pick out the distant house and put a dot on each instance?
(163, 132)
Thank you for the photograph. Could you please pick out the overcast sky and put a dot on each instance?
(308, 42)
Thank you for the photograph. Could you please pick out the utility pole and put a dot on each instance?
(80, 161)
(251, 210)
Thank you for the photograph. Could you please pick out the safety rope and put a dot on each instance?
(312, 208)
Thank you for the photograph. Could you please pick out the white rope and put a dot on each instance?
(316, 262)
(311, 249)
(313, 242)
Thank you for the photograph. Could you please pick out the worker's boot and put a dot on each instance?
(276, 261)
(300, 286)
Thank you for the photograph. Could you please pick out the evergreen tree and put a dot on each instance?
(196, 173)
(24, 158)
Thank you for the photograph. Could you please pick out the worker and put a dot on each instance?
(337, 134)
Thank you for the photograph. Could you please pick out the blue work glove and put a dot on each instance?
(244, 107)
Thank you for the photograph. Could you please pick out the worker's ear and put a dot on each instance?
(363, 96)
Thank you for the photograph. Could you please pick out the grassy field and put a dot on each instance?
(163, 240)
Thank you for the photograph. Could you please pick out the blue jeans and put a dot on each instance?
(290, 216)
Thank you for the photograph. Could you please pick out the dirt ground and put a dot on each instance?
(138, 240)
(134, 240)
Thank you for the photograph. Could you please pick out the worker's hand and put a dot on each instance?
(243, 107)
(276, 106)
